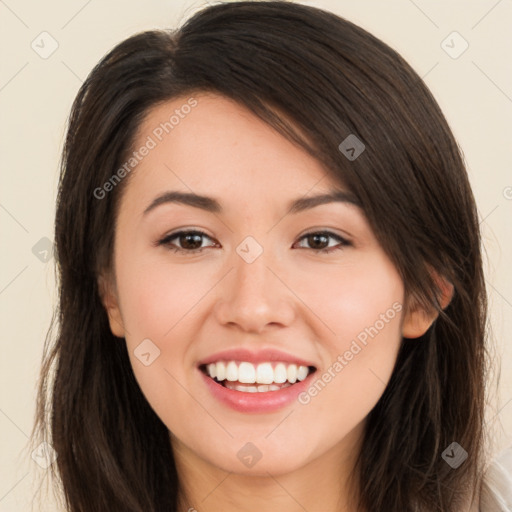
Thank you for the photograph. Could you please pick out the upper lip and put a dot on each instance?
(260, 356)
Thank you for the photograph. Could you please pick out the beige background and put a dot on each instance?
(474, 90)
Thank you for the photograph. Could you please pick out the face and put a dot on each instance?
(297, 313)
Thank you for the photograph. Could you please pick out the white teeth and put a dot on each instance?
(220, 372)
(280, 374)
(302, 373)
(246, 373)
(262, 388)
(232, 371)
(212, 370)
(247, 389)
(292, 373)
(262, 375)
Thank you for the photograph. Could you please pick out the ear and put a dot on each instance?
(417, 320)
(109, 298)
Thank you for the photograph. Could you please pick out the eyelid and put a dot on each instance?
(174, 234)
(335, 232)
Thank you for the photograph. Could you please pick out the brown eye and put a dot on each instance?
(189, 241)
(319, 241)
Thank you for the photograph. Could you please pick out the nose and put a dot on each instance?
(254, 296)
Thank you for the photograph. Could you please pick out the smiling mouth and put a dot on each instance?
(250, 378)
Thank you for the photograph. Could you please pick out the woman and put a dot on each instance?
(271, 286)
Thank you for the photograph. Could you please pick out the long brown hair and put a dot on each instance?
(295, 66)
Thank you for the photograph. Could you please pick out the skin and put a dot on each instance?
(291, 298)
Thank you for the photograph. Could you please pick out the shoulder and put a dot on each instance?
(496, 490)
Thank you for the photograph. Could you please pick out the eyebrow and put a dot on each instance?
(210, 204)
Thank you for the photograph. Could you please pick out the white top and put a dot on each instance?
(496, 491)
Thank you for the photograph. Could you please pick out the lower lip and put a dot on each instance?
(267, 401)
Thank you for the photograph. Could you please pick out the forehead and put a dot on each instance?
(207, 142)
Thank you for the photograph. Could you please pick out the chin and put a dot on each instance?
(258, 457)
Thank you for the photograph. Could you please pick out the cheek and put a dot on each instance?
(156, 296)
(352, 297)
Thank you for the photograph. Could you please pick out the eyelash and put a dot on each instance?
(167, 239)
